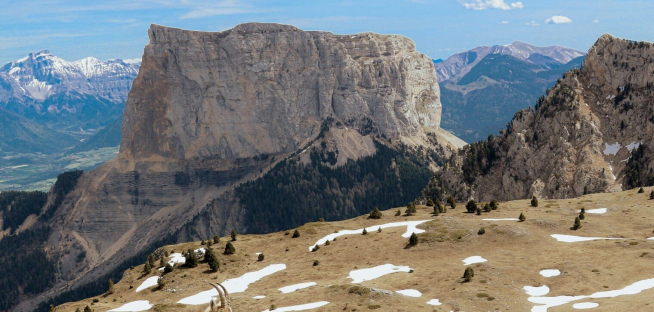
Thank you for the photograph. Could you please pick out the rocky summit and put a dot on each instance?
(293, 112)
(591, 133)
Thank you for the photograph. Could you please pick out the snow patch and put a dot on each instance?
(611, 149)
(140, 305)
(369, 274)
(434, 302)
(292, 288)
(233, 285)
(597, 211)
(152, 281)
(573, 239)
(410, 293)
(550, 273)
(473, 260)
(411, 227)
(585, 305)
(537, 291)
(633, 145)
(301, 307)
(258, 297)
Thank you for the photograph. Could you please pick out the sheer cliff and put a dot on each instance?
(579, 138)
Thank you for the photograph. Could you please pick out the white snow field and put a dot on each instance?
(573, 239)
(178, 258)
(611, 149)
(550, 273)
(549, 302)
(596, 211)
(585, 305)
(473, 260)
(301, 307)
(537, 291)
(505, 219)
(410, 293)
(258, 297)
(434, 302)
(292, 288)
(411, 227)
(233, 285)
(140, 305)
(151, 281)
(370, 274)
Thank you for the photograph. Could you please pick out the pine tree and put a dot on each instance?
(439, 206)
(413, 240)
(151, 260)
(451, 201)
(209, 243)
(481, 231)
(534, 201)
(161, 282)
(168, 268)
(51, 309)
(375, 214)
(147, 269)
(216, 239)
(379, 229)
(478, 211)
(577, 224)
(494, 204)
(641, 190)
(229, 249)
(436, 211)
(207, 254)
(88, 309)
(471, 206)
(487, 208)
(191, 259)
(430, 203)
(468, 274)
(162, 262)
(398, 213)
(261, 257)
(233, 235)
(365, 231)
(110, 287)
(203, 242)
(214, 264)
(410, 209)
(651, 195)
(522, 217)
(296, 234)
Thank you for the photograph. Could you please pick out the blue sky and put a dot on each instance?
(118, 28)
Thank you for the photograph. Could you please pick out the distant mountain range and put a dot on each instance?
(481, 89)
(61, 102)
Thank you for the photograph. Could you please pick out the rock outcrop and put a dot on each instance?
(577, 140)
(209, 111)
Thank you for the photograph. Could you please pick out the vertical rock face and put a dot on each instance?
(209, 111)
(578, 139)
(266, 88)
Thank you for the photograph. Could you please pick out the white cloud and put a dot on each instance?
(558, 19)
(532, 23)
(504, 22)
(490, 4)
(596, 21)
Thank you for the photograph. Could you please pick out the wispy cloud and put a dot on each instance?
(490, 4)
(532, 23)
(504, 22)
(558, 19)
(596, 21)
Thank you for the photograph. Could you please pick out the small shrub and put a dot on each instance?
(487, 208)
(534, 201)
(327, 243)
(582, 215)
(468, 274)
(577, 224)
(110, 287)
(168, 268)
(379, 230)
(410, 209)
(451, 201)
(96, 300)
(364, 232)
(216, 239)
(147, 268)
(398, 213)
(315, 248)
(641, 190)
(316, 262)
(651, 195)
(229, 249)
(375, 214)
(522, 217)
(478, 211)
(261, 257)
(233, 234)
(296, 234)
(273, 307)
(413, 240)
(321, 219)
(494, 204)
(430, 203)
(481, 231)
(203, 242)
(161, 282)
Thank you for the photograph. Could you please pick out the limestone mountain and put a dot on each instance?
(591, 133)
(482, 88)
(256, 128)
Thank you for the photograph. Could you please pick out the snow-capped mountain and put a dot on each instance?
(41, 75)
(460, 64)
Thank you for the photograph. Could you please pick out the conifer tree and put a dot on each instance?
(651, 195)
(582, 214)
(168, 268)
(261, 257)
(151, 260)
(398, 213)
(471, 206)
(451, 201)
(410, 209)
(641, 190)
(379, 230)
(375, 214)
(478, 211)
(233, 235)
(468, 274)
(147, 268)
(161, 282)
(214, 264)
(430, 203)
(209, 243)
(216, 239)
(487, 208)
(51, 309)
(207, 255)
(438, 206)
(494, 204)
(577, 224)
(296, 234)
(162, 262)
(110, 287)
(229, 249)
(88, 309)
(413, 240)
(522, 217)
(364, 231)
(481, 231)
(534, 201)
(191, 259)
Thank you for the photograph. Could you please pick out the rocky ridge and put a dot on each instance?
(577, 140)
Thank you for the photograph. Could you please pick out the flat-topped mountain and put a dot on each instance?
(591, 133)
(257, 128)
